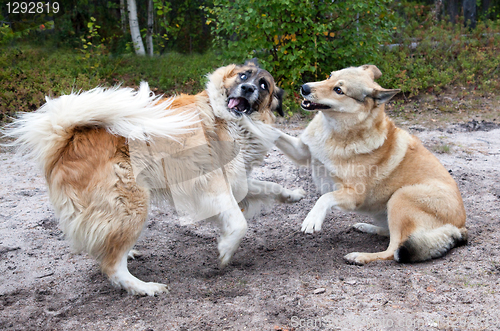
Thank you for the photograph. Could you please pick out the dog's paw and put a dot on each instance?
(226, 252)
(224, 259)
(361, 227)
(132, 254)
(150, 289)
(355, 258)
(370, 228)
(313, 222)
(135, 286)
(294, 196)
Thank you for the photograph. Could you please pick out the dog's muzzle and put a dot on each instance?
(305, 90)
(242, 100)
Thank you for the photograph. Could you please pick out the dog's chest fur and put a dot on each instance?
(365, 161)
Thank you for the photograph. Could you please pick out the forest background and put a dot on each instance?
(429, 46)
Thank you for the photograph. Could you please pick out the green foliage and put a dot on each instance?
(30, 73)
(302, 40)
(92, 47)
(296, 41)
(433, 56)
(171, 73)
(182, 25)
(6, 34)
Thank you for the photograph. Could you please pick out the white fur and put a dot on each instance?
(370, 228)
(89, 218)
(122, 111)
(123, 278)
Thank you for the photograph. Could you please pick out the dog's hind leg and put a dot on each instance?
(402, 214)
(101, 207)
(122, 231)
(117, 220)
(397, 233)
(417, 217)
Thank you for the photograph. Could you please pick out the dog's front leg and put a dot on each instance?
(233, 227)
(344, 198)
(294, 148)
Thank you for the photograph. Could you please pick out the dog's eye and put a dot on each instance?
(243, 76)
(263, 85)
(338, 90)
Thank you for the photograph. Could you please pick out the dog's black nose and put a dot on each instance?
(248, 88)
(305, 89)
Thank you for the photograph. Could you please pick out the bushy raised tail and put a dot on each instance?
(424, 245)
(122, 111)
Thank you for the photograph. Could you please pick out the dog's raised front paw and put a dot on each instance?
(355, 258)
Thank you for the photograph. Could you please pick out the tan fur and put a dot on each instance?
(375, 168)
(101, 183)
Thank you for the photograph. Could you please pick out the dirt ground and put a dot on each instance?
(280, 278)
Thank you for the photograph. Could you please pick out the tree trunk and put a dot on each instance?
(470, 13)
(123, 15)
(453, 10)
(134, 28)
(149, 33)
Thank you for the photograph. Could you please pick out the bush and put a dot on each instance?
(301, 41)
(432, 56)
(29, 74)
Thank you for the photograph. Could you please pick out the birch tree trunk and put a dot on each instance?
(134, 28)
(149, 33)
(123, 15)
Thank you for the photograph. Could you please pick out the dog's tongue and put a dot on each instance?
(233, 103)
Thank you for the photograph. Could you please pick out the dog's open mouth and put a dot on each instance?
(238, 105)
(309, 105)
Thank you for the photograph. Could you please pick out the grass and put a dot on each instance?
(442, 149)
(28, 74)
(446, 56)
(443, 75)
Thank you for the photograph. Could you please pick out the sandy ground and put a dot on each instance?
(274, 279)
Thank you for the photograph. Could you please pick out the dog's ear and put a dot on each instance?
(374, 72)
(252, 62)
(277, 103)
(382, 95)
